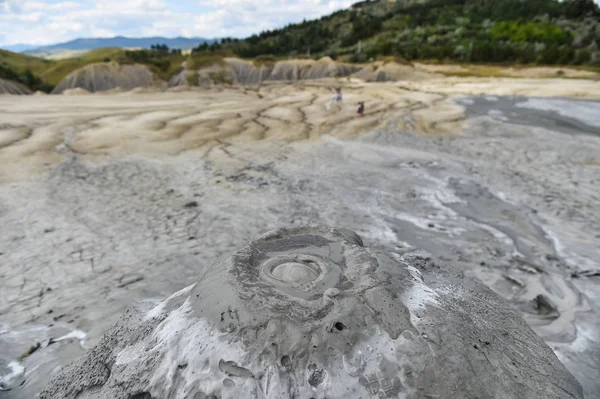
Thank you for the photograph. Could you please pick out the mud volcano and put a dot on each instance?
(312, 313)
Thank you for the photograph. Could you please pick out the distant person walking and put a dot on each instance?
(338, 94)
(361, 109)
(336, 97)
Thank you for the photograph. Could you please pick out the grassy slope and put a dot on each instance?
(21, 62)
(53, 71)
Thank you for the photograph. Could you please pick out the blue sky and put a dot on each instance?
(40, 22)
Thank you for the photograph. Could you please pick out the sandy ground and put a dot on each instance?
(109, 199)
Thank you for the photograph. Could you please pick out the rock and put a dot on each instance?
(311, 312)
(30, 351)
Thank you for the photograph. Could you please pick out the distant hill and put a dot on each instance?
(182, 43)
(43, 74)
(19, 48)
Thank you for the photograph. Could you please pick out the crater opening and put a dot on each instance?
(296, 272)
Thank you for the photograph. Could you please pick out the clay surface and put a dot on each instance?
(106, 200)
(311, 313)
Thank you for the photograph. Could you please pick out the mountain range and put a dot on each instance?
(182, 43)
(19, 48)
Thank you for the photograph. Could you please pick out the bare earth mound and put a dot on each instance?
(112, 76)
(311, 312)
(10, 87)
(244, 72)
(392, 72)
(106, 76)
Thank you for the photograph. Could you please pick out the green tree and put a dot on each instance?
(580, 8)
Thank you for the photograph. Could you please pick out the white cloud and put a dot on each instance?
(42, 22)
(40, 5)
(240, 18)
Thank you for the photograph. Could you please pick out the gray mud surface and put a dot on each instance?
(559, 114)
(310, 312)
(511, 200)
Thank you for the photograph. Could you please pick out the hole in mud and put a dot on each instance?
(142, 395)
(544, 306)
(339, 326)
(286, 362)
(316, 378)
(295, 272)
(227, 383)
(202, 395)
(233, 370)
(192, 204)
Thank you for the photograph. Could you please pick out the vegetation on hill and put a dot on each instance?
(532, 31)
(164, 62)
(23, 69)
(21, 62)
(42, 74)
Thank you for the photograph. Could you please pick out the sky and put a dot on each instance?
(41, 22)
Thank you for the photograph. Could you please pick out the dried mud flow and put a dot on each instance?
(106, 200)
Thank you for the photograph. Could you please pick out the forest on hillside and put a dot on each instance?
(498, 31)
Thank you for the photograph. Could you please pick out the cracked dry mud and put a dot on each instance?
(110, 199)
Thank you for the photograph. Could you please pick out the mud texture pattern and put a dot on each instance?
(310, 312)
(106, 200)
